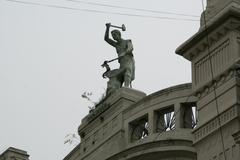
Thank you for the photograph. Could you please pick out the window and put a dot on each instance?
(165, 119)
(189, 115)
(139, 129)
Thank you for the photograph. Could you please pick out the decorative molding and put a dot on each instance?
(231, 153)
(213, 38)
(219, 58)
(227, 21)
(147, 100)
(218, 81)
(213, 125)
(236, 137)
(164, 149)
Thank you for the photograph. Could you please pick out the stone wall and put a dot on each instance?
(14, 154)
(136, 125)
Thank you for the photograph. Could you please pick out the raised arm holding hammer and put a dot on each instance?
(124, 50)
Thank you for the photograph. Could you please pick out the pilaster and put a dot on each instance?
(178, 115)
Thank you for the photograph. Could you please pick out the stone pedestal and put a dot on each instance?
(101, 131)
(119, 100)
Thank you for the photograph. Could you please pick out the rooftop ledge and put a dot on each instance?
(232, 10)
(15, 150)
(122, 93)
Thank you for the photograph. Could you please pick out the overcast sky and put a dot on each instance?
(50, 56)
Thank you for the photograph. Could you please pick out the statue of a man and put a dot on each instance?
(124, 50)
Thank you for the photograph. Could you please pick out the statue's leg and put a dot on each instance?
(127, 80)
(127, 77)
(109, 87)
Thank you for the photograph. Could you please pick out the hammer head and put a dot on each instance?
(123, 27)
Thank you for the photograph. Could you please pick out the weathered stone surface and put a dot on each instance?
(214, 54)
(216, 7)
(161, 125)
(112, 138)
(236, 137)
(14, 154)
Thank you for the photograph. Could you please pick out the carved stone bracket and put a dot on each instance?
(217, 82)
(232, 72)
(236, 137)
(213, 37)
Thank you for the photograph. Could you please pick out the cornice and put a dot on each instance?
(232, 72)
(215, 29)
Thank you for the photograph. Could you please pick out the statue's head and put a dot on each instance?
(116, 34)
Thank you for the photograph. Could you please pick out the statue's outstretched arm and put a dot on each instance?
(106, 37)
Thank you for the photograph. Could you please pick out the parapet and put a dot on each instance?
(125, 96)
(14, 153)
(135, 125)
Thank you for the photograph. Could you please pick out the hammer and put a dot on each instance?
(122, 27)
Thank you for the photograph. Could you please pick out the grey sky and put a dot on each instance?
(50, 56)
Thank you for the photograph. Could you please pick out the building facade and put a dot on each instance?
(197, 121)
(14, 154)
